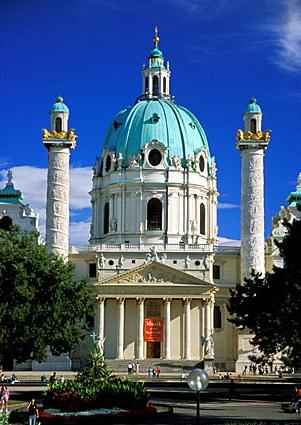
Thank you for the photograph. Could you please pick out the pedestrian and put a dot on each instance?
(137, 368)
(52, 378)
(150, 372)
(130, 368)
(62, 379)
(5, 398)
(33, 412)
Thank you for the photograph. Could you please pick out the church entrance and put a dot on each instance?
(153, 350)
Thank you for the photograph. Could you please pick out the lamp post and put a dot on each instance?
(198, 381)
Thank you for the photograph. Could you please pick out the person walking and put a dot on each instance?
(33, 412)
(5, 398)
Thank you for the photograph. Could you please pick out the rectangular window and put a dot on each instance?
(92, 270)
(216, 272)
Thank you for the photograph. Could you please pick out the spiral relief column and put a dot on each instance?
(58, 141)
(252, 142)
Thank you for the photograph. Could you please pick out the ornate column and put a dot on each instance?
(140, 327)
(187, 302)
(99, 321)
(252, 142)
(202, 326)
(167, 302)
(120, 329)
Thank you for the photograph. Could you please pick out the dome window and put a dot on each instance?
(154, 214)
(116, 124)
(253, 125)
(155, 118)
(108, 163)
(202, 163)
(202, 219)
(154, 157)
(106, 218)
(155, 85)
(146, 84)
(58, 124)
(192, 125)
(164, 84)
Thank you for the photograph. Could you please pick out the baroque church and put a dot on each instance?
(159, 276)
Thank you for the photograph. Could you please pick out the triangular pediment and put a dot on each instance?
(155, 273)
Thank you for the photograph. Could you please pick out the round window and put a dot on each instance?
(111, 262)
(154, 157)
(197, 263)
(202, 163)
(108, 163)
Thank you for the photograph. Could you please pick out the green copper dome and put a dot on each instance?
(253, 108)
(59, 106)
(156, 119)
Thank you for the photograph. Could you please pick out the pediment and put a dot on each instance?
(155, 273)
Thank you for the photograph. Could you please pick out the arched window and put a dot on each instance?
(106, 218)
(154, 214)
(58, 124)
(6, 223)
(253, 125)
(146, 84)
(164, 84)
(202, 219)
(217, 317)
(155, 85)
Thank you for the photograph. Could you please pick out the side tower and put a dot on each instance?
(252, 142)
(58, 141)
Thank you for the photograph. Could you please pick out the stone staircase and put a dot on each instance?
(167, 367)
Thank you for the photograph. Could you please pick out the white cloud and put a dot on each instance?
(79, 233)
(286, 34)
(227, 206)
(228, 242)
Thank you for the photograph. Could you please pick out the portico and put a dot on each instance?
(141, 314)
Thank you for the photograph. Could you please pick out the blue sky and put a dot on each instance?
(221, 53)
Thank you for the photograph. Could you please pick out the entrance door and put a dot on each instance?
(153, 350)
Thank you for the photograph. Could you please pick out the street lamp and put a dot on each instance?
(198, 380)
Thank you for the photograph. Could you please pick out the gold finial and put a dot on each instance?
(156, 38)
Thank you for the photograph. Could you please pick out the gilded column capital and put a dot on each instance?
(140, 300)
(120, 300)
(167, 300)
(187, 301)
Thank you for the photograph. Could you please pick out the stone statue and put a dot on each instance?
(194, 225)
(206, 262)
(239, 135)
(134, 161)
(119, 161)
(176, 162)
(113, 224)
(189, 161)
(154, 254)
(187, 261)
(120, 262)
(209, 346)
(162, 258)
(27, 209)
(102, 261)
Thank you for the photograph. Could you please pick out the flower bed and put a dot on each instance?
(106, 415)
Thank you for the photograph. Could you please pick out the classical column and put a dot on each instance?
(99, 322)
(120, 329)
(187, 302)
(140, 327)
(167, 302)
(202, 326)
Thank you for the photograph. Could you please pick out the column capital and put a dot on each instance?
(120, 300)
(167, 300)
(187, 301)
(99, 299)
(140, 300)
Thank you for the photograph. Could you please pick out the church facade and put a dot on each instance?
(159, 276)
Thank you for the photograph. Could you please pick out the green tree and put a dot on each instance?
(270, 306)
(41, 307)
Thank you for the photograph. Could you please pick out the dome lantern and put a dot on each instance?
(252, 117)
(155, 78)
(59, 115)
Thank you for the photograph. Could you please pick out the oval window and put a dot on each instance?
(202, 163)
(108, 163)
(154, 157)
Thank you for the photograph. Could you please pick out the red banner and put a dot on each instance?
(153, 329)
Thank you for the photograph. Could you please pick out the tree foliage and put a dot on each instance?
(41, 308)
(270, 306)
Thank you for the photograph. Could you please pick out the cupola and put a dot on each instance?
(59, 115)
(155, 77)
(252, 117)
